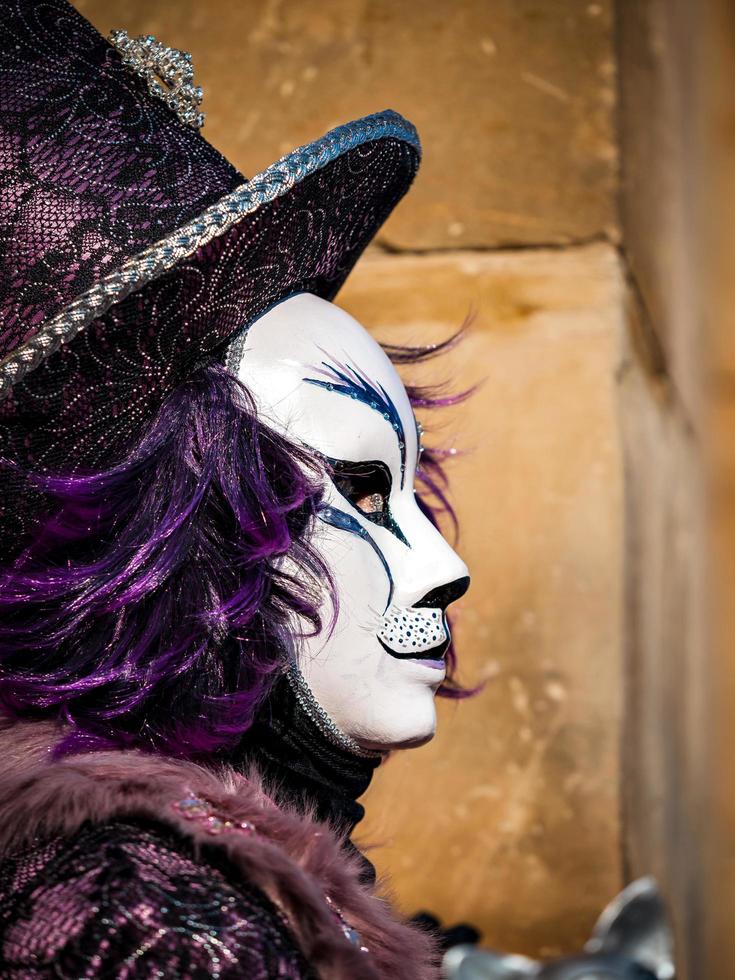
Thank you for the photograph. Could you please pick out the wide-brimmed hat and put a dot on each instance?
(130, 249)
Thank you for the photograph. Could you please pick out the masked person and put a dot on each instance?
(223, 597)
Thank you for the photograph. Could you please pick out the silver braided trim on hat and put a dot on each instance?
(321, 719)
(159, 258)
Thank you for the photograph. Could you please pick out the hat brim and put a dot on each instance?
(96, 369)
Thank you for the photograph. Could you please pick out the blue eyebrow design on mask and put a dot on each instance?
(347, 380)
(345, 522)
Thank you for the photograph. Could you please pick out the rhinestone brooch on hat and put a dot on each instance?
(167, 72)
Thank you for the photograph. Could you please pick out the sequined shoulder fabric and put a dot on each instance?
(128, 899)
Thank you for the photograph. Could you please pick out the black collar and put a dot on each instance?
(302, 768)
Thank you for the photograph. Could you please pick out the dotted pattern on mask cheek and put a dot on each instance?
(413, 630)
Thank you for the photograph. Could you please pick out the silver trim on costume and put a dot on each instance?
(235, 349)
(161, 257)
(321, 719)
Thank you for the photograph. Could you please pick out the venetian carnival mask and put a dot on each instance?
(320, 379)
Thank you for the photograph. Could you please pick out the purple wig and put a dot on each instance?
(156, 600)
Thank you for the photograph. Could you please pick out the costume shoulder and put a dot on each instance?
(131, 834)
(130, 896)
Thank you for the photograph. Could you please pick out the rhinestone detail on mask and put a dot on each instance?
(321, 719)
(167, 72)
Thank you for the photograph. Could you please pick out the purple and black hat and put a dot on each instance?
(131, 250)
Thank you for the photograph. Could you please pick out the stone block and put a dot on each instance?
(510, 818)
(717, 865)
(677, 139)
(717, 935)
(513, 100)
(666, 747)
(661, 133)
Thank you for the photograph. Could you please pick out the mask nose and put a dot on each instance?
(444, 595)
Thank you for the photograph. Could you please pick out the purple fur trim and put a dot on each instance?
(155, 600)
(290, 857)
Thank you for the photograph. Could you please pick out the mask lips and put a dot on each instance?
(435, 653)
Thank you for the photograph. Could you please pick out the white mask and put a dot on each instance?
(320, 379)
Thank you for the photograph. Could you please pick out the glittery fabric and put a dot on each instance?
(92, 170)
(301, 865)
(122, 228)
(127, 899)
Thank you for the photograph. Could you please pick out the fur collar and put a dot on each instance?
(293, 859)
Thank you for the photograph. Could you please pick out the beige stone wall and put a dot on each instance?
(677, 70)
(512, 98)
(718, 208)
(511, 817)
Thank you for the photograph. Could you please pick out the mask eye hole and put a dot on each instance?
(367, 486)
